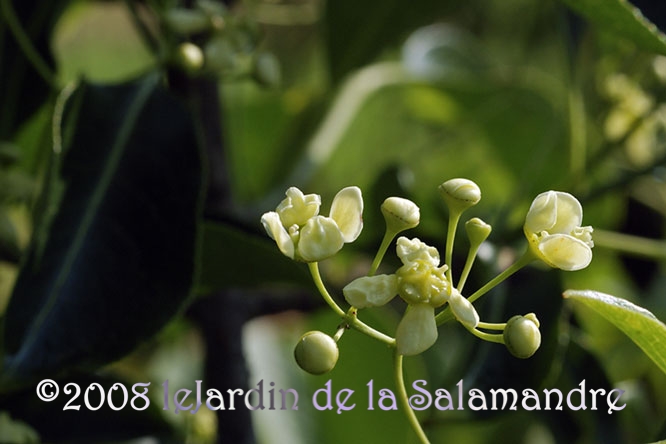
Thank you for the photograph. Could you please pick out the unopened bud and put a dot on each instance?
(316, 353)
(522, 336)
(400, 214)
(460, 194)
(477, 231)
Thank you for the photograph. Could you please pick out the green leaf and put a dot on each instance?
(232, 257)
(622, 19)
(116, 262)
(56, 424)
(22, 89)
(642, 327)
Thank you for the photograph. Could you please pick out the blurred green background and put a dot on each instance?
(520, 96)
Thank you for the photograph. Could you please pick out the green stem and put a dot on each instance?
(33, 56)
(316, 277)
(497, 338)
(626, 243)
(471, 256)
(351, 316)
(386, 241)
(491, 326)
(404, 400)
(454, 217)
(447, 315)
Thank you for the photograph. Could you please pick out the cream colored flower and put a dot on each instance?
(421, 282)
(553, 229)
(302, 234)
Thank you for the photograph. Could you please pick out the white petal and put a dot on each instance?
(565, 252)
(569, 214)
(417, 330)
(320, 238)
(411, 250)
(463, 310)
(347, 212)
(297, 207)
(277, 232)
(542, 214)
(371, 291)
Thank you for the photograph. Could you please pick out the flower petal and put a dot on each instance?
(569, 214)
(412, 250)
(275, 229)
(565, 252)
(463, 310)
(417, 330)
(297, 207)
(347, 212)
(542, 214)
(320, 238)
(371, 291)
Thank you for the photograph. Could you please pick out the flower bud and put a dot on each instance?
(400, 214)
(477, 231)
(316, 353)
(189, 57)
(522, 336)
(460, 194)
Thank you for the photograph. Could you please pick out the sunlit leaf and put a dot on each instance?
(622, 19)
(648, 332)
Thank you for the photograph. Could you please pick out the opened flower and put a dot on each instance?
(421, 282)
(553, 229)
(302, 234)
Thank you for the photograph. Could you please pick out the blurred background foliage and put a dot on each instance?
(519, 96)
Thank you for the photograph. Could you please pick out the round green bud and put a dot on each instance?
(316, 353)
(477, 231)
(460, 194)
(400, 214)
(522, 336)
(189, 57)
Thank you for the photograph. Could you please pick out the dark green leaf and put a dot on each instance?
(359, 31)
(9, 248)
(117, 262)
(22, 89)
(648, 332)
(56, 425)
(622, 19)
(231, 257)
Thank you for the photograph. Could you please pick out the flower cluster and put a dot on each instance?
(423, 282)
(302, 234)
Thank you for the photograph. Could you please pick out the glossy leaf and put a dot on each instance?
(116, 262)
(231, 256)
(623, 19)
(642, 327)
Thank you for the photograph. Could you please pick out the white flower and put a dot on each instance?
(552, 227)
(302, 234)
(420, 282)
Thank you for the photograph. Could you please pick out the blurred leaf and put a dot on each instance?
(232, 257)
(22, 90)
(359, 31)
(9, 154)
(622, 19)
(56, 425)
(118, 258)
(9, 247)
(15, 186)
(639, 324)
